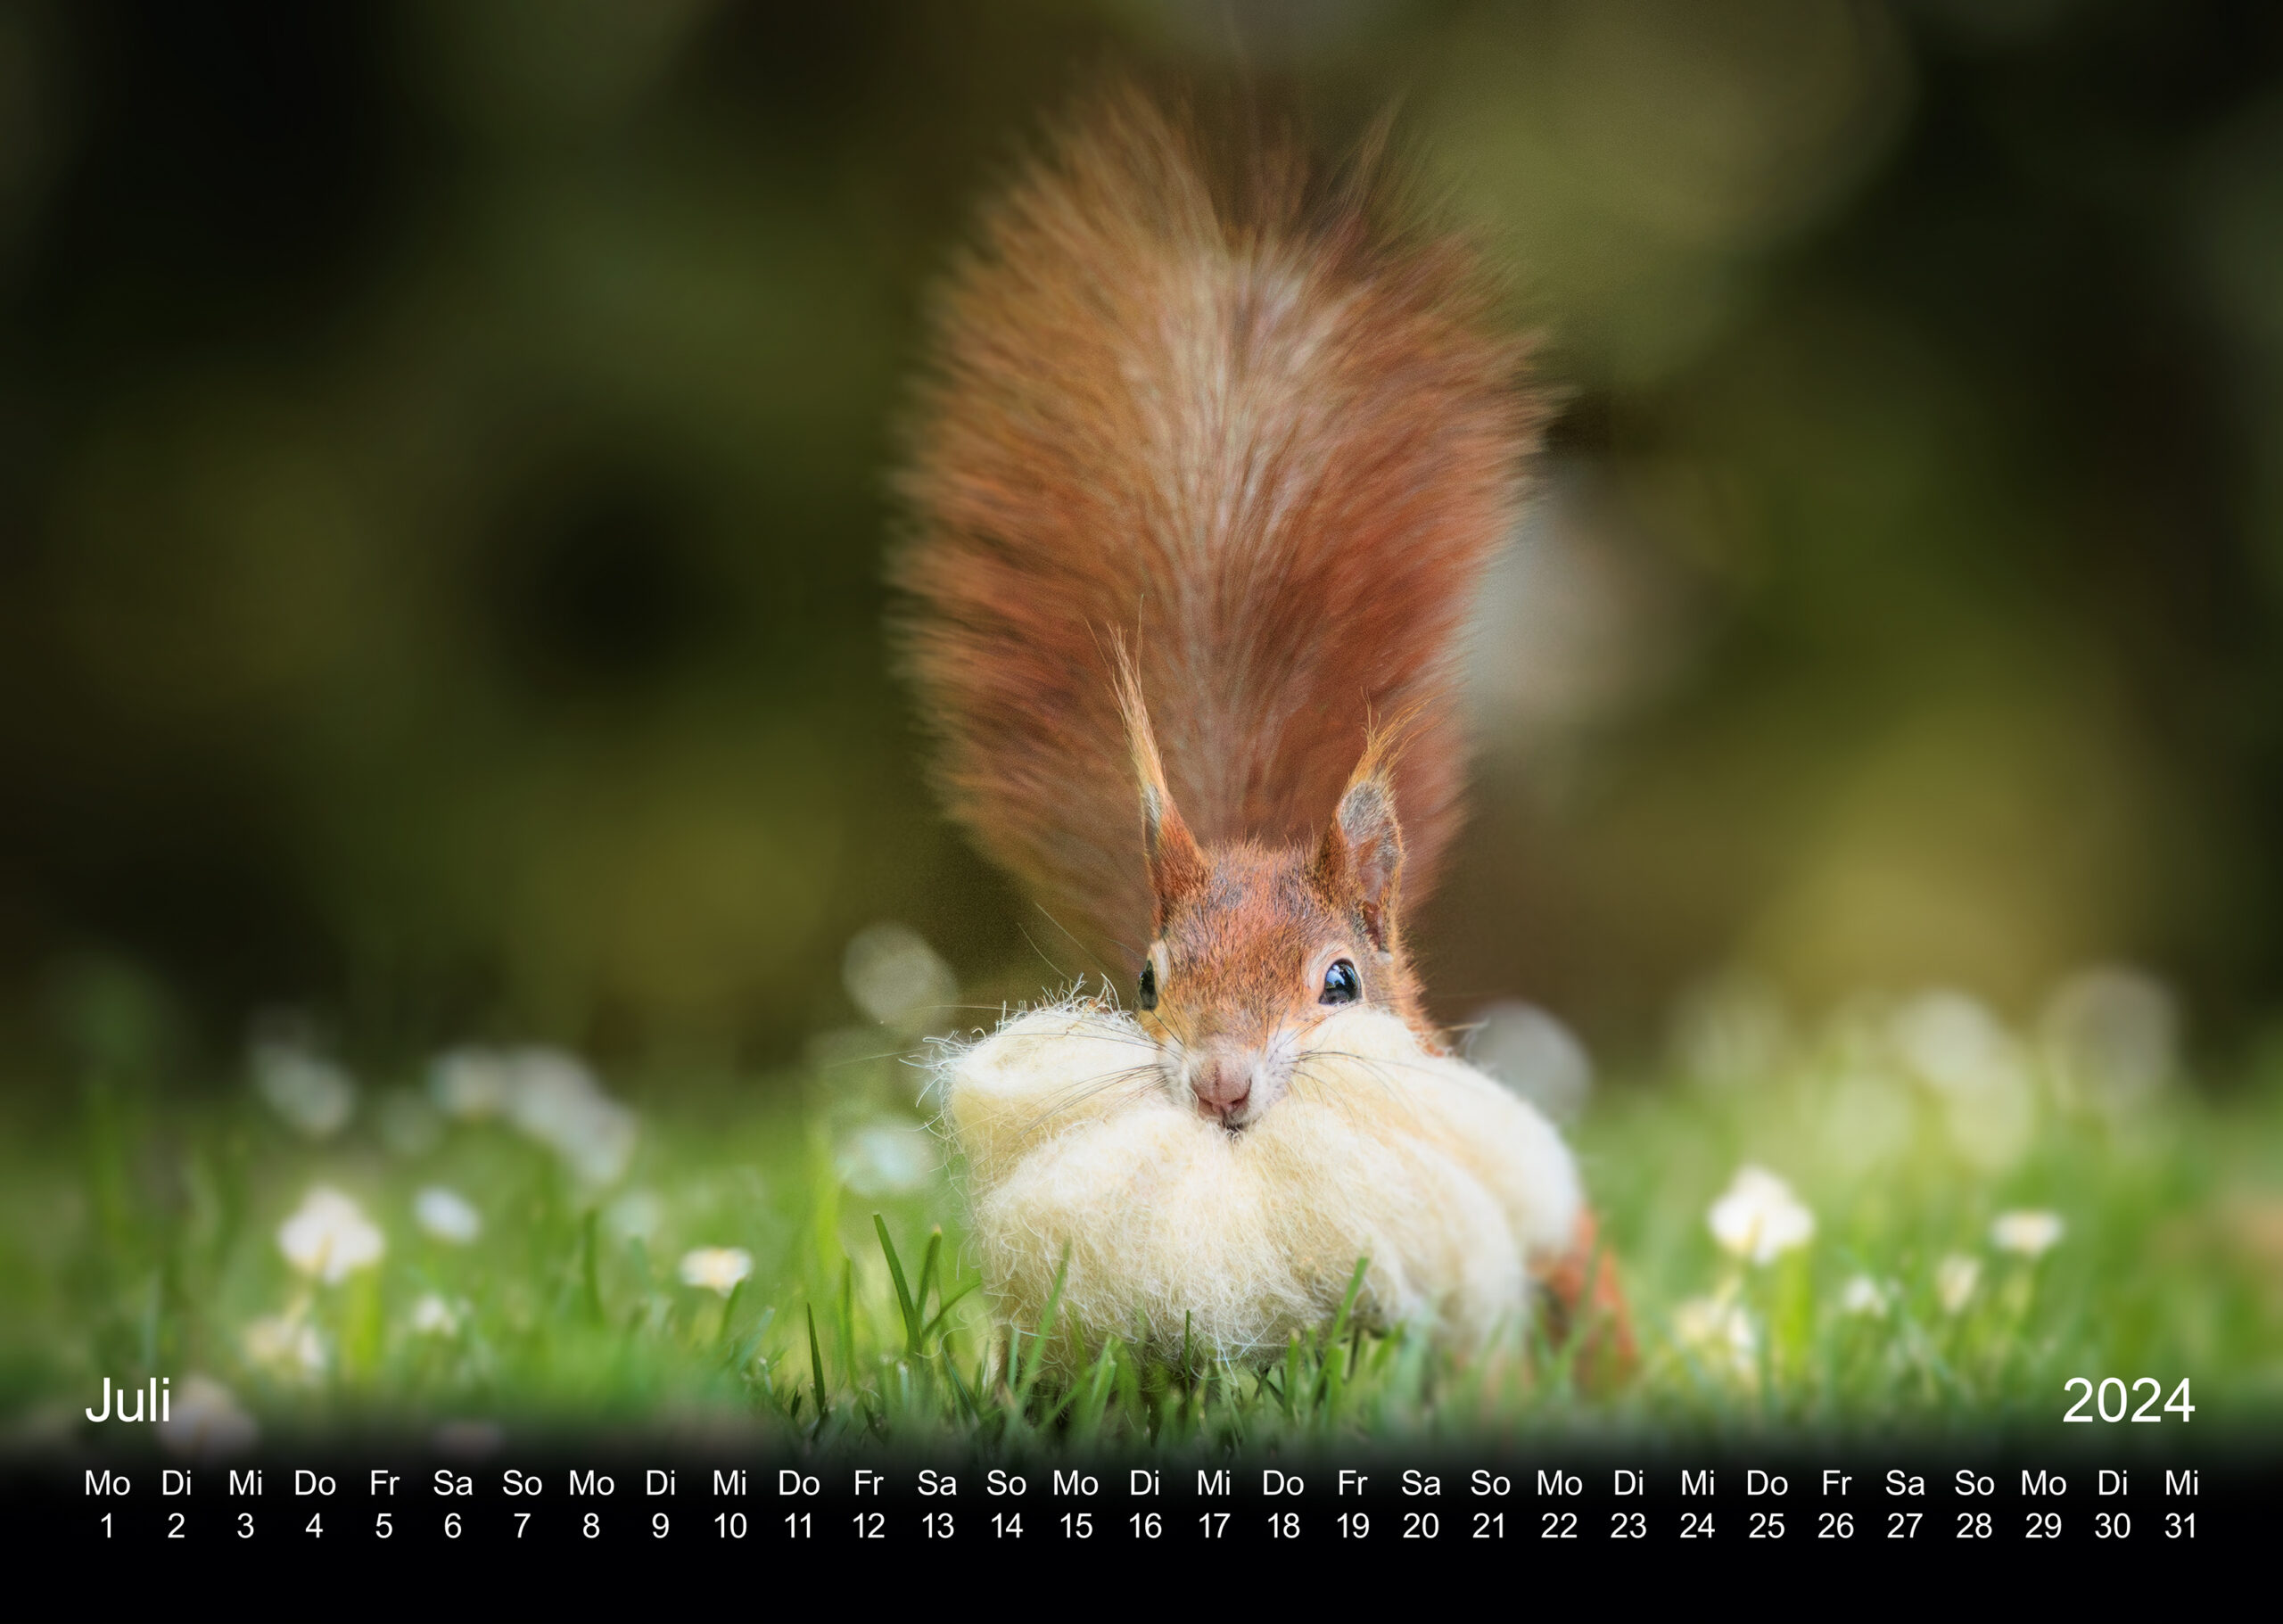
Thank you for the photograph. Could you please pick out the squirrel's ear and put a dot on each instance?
(1361, 854)
(1177, 868)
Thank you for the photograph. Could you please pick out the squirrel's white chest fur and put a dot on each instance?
(1449, 1184)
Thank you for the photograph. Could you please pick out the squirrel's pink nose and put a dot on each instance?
(1223, 1084)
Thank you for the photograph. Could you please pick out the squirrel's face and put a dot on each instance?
(1251, 955)
(1250, 946)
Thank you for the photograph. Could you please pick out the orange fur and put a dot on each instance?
(1204, 472)
(1585, 1301)
(1264, 425)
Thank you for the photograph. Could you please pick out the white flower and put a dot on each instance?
(549, 1096)
(471, 1084)
(716, 1268)
(1864, 1296)
(558, 1102)
(431, 1315)
(1533, 1053)
(1732, 1031)
(895, 977)
(2112, 1035)
(1955, 1280)
(1718, 1330)
(1954, 1043)
(203, 1420)
(329, 1238)
(2031, 1234)
(286, 1346)
(1759, 1218)
(888, 1157)
(600, 1149)
(447, 1215)
(310, 1091)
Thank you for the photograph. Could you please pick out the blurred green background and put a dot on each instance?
(443, 457)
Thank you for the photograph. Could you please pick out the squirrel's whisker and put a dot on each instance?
(1110, 977)
(1370, 1065)
(1072, 1096)
(1060, 972)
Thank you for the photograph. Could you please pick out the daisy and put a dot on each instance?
(285, 1345)
(447, 1215)
(431, 1315)
(1759, 1218)
(310, 1091)
(1718, 1330)
(1955, 1280)
(1863, 1295)
(716, 1268)
(329, 1237)
(2030, 1234)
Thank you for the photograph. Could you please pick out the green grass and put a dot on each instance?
(138, 1236)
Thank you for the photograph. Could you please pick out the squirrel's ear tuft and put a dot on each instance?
(1362, 850)
(1177, 866)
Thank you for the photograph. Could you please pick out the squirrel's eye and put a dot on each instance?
(1339, 984)
(1149, 999)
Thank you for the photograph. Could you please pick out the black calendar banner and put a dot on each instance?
(554, 1510)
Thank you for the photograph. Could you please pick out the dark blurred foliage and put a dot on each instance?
(441, 493)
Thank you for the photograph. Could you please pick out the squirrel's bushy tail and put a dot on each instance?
(1263, 425)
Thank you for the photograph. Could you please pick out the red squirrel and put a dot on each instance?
(1206, 465)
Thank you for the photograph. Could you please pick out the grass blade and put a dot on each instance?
(1129, 1385)
(968, 1405)
(949, 1303)
(903, 1302)
(927, 1271)
(1027, 1370)
(1093, 1393)
(816, 1367)
(848, 1320)
(1334, 1376)
(741, 1357)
